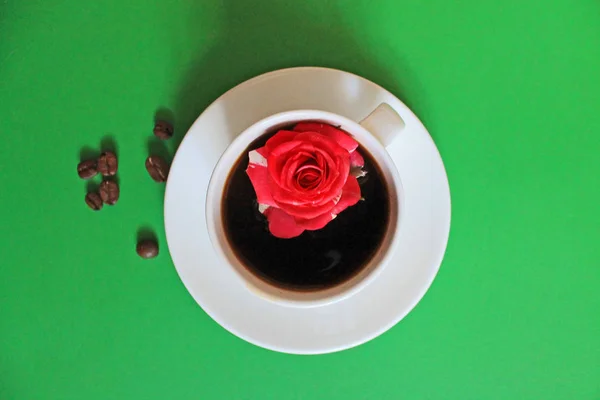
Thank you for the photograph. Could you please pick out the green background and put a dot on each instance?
(510, 91)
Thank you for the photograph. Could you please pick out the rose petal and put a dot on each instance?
(306, 211)
(278, 157)
(309, 167)
(342, 138)
(350, 195)
(315, 223)
(321, 161)
(289, 200)
(259, 177)
(278, 139)
(322, 142)
(281, 224)
(284, 148)
(356, 159)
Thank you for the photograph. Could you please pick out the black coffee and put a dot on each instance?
(316, 259)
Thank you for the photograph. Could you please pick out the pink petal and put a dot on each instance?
(350, 195)
(316, 223)
(281, 224)
(259, 176)
(356, 160)
(342, 138)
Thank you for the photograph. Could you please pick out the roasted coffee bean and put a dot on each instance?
(94, 201)
(107, 163)
(109, 192)
(157, 168)
(147, 248)
(163, 130)
(87, 169)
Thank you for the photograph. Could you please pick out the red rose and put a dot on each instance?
(302, 177)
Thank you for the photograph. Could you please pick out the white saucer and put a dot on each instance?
(352, 321)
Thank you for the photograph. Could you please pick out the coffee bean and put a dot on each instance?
(107, 163)
(94, 201)
(109, 192)
(157, 168)
(147, 248)
(87, 169)
(163, 130)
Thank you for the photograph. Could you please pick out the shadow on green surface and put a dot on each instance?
(92, 185)
(164, 114)
(260, 36)
(109, 143)
(145, 233)
(88, 152)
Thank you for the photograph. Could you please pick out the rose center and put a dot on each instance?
(309, 175)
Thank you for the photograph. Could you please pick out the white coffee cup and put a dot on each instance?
(375, 132)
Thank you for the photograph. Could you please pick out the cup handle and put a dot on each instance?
(384, 123)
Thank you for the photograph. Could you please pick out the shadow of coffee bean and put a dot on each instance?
(92, 186)
(164, 114)
(109, 143)
(88, 153)
(145, 233)
(157, 147)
